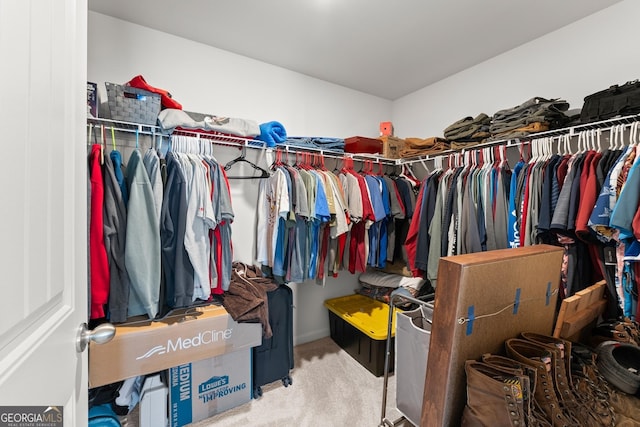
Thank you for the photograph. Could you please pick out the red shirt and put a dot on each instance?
(98, 263)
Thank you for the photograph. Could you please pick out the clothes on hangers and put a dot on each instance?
(170, 246)
(196, 229)
(115, 229)
(142, 247)
(98, 262)
(580, 201)
(313, 222)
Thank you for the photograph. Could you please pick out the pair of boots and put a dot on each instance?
(540, 367)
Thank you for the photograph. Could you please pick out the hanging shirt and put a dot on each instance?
(115, 229)
(151, 163)
(98, 262)
(116, 158)
(601, 213)
(627, 204)
(178, 270)
(273, 204)
(142, 250)
(200, 219)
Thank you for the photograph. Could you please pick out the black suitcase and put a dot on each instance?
(273, 359)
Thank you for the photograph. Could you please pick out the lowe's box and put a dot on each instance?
(201, 389)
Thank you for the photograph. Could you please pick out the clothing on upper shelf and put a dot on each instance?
(422, 147)
(320, 143)
(534, 115)
(468, 130)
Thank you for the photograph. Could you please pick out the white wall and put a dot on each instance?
(213, 81)
(570, 63)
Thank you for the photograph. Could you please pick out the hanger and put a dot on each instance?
(242, 159)
(103, 144)
(633, 134)
(437, 163)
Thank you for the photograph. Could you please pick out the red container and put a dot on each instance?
(361, 144)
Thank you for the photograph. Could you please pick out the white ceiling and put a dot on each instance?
(381, 47)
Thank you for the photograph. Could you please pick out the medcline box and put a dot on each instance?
(207, 387)
(145, 347)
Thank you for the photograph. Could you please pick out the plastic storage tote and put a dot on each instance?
(359, 325)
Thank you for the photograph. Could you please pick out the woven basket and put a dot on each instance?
(130, 104)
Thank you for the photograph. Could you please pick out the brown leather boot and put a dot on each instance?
(585, 374)
(535, 416)
(494, 397)
(586, 407)
(626, 406)
(541, 359)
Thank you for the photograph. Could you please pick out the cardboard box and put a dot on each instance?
(145, 347)
(207, 387)
(392, 146)
(481, 300)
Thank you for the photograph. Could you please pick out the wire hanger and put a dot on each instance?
(103, 144)
(242, 159)
(113, 139)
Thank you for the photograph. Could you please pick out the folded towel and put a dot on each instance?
(272, 133)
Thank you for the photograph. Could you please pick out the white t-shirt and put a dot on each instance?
(200, 219)
(273, 203)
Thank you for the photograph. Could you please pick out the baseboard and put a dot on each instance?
(311, 336)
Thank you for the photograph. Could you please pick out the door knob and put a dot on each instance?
(101, 334)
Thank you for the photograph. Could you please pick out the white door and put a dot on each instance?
(43, 211)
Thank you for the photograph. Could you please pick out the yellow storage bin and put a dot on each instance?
(359, 325)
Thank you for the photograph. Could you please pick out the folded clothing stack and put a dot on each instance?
(468, 131)
(421, 147)
(534, 115)
(319, 142)
(382, 286)
(171, 119)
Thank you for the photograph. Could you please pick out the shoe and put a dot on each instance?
(494, 397)
(626, 406)
(589, 410)
(541, 359)
(534, 415)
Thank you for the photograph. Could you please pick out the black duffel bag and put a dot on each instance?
(616, 101)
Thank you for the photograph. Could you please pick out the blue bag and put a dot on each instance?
(103, 416)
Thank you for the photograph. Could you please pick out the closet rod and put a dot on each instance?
(233, 141)
(339, 155)
(141, 129)
(604, 125)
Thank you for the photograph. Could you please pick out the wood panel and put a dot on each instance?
(481, 300)
(579, 310)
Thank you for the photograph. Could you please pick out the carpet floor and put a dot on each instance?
(329, 388)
